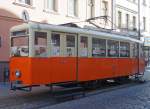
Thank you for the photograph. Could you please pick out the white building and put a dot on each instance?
(127, 14)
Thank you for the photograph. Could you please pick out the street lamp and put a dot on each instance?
(139, 34)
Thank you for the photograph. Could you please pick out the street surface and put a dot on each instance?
(133, 97)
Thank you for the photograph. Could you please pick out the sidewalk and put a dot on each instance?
(4, 85)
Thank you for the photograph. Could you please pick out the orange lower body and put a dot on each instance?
(37, 71)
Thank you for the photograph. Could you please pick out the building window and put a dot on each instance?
(72, 7)
(127, 21)
(98, 47)
(119, 19)
(90, 8)
(51, 5)
(144, 2)
(134, 1)
(144, 23)
(27, 2)
(134, 23)
(104, 8)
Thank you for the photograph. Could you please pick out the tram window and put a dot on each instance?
(98, 47)
(70, 40)
(83, 46)
(113, 48)
(141, 51)
(19, 46)
(124, 49)
(40, 44)
(55, 44)
(135, 50)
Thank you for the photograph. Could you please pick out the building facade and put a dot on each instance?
(127, 14)
(13, 12)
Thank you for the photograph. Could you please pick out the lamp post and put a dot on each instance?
(139, 33)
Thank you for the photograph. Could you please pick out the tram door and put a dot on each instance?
(64, 57)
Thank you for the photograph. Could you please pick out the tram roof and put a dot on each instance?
(59, 28)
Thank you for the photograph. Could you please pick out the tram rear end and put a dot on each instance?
(19, 61)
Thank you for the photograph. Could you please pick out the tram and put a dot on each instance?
(51, 54)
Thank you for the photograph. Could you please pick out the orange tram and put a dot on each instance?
(43, 54)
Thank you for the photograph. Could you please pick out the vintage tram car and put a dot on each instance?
(51, 54)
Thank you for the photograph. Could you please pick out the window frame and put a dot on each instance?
(115, 50)
(127, 21)
(134, 22)
(36, 43)
(89, 46)
(60, 44)
(105, 8)
(11, 44)
(65, 44)
(119, 19)
(129, 49)
(75, 14)
(23, 3)
(32, 42)
(55, 8)
(99, 47)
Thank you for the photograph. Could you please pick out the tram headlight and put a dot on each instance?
(18, 74)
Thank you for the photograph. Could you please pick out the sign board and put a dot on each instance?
(147, 41)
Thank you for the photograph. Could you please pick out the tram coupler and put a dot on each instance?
(14, 87)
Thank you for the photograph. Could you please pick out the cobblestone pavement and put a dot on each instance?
(135, 97)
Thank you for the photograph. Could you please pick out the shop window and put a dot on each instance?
(40, 44)
(70, 46)
(83, 46)
(113, 48)
(55, 44)
(124, 49)
(98, 47)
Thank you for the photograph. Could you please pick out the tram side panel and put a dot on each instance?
(63, 69)
(41, 71)
(95, 68)
(102, 68)
(123, 67)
